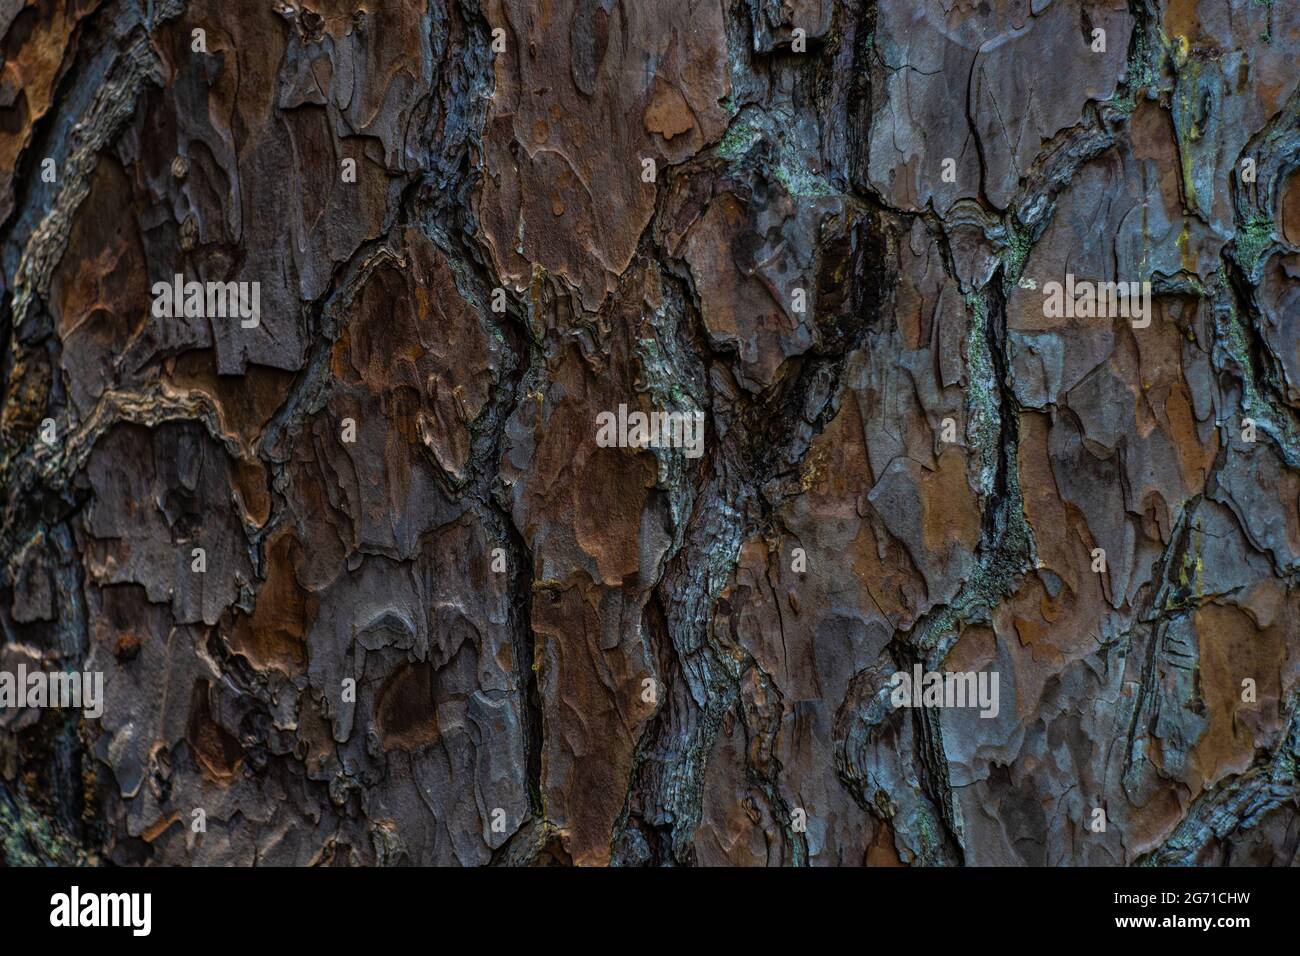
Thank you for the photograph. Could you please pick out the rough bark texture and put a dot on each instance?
(567, 653)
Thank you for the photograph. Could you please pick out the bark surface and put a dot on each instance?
(465, 632)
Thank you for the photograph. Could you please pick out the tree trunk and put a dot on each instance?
(716, 432)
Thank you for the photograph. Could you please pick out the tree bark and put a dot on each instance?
(366, 583)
